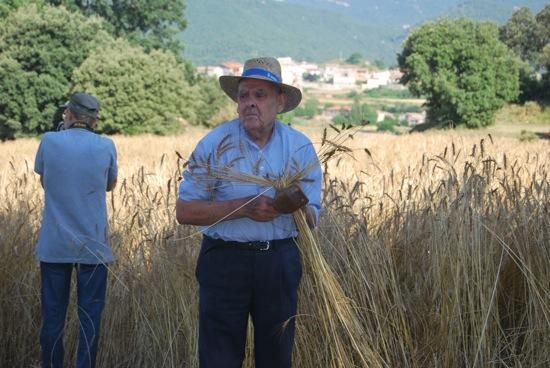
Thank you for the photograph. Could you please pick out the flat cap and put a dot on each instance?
(83, 104)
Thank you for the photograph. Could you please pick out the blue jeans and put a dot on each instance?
(91, 281)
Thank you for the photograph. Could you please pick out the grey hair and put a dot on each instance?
(81, 118)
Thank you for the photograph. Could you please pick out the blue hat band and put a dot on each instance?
(262, 73)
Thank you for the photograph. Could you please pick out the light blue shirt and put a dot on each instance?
(76, 165)
(228, 145)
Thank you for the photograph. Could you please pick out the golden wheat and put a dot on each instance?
(441, 250)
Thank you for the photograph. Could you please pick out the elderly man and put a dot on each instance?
(76, 168)
(249, 264)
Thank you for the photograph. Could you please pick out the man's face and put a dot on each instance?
(258, 103)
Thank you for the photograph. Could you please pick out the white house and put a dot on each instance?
(339, 75)
(378, 79)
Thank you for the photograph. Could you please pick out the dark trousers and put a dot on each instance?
(236, 283)
(91, 283)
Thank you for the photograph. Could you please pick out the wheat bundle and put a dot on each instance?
(346, 344)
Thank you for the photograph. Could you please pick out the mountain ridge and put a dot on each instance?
(320, 30)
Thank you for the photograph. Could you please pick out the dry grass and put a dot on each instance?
(440, 243)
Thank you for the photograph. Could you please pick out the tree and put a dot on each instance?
(463, 70)
(14, 87)
(520, 33)
(9, 6)
(529, 37)
(39, 49)
(355, 58)
(141, 92)
(379, 64)
(543, 22)
(151, 23)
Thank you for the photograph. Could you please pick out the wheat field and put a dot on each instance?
(440, 242)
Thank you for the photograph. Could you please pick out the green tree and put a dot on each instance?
(139, 92)
(153, 24)
(462, 69)
(545, 57)
(529, 37)
(543, 26)
(39, 49)
(13, 94)
(355, 58)
(379, 64)
(543, 22)
(520, 33)
(9, 6)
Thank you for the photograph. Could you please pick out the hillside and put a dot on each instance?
(320, 30)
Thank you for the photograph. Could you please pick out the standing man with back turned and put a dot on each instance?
(249, 264)
(76, 167)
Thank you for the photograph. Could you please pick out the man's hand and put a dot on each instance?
(290, 199)
(261, 209)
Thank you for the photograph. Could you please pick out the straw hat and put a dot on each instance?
(264, 68)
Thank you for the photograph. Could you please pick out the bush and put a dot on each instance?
(353, 95)
(308, 109)
(526, 136)
(359, 114)
(287, 117)
(396, 109)
(387, 125)
(311, 77)
(385, 91)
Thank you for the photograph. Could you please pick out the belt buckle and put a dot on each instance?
(266, 247)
